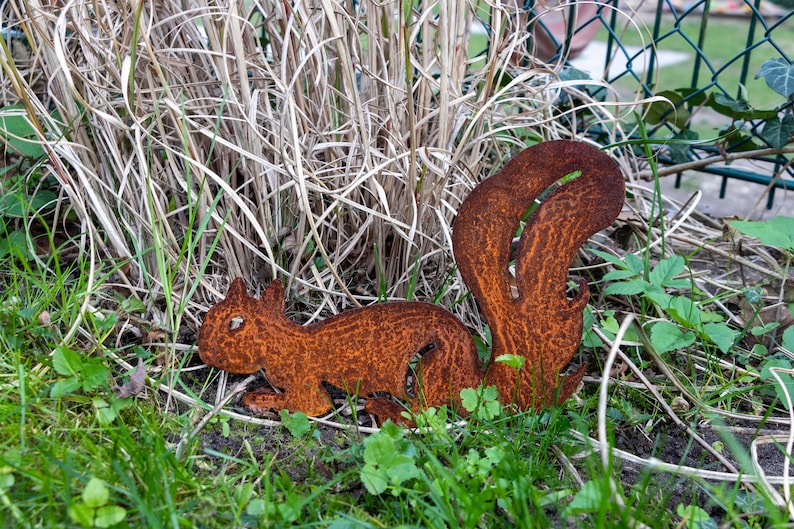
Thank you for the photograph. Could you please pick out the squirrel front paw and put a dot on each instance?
(311, 401)
(261, 400)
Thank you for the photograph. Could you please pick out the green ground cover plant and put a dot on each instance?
(152, 152)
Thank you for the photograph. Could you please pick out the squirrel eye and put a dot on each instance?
(235, 323)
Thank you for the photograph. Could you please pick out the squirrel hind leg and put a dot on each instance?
(570, 384)
(384, 408)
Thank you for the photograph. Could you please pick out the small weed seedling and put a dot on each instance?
(777, 232)
(389, 461)
(93, 507)
(688, 320)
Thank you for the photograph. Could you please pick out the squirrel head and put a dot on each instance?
(233, 325)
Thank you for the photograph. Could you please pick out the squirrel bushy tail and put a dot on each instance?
(538, 321)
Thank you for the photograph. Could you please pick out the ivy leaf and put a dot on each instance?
(777, 232)
(680, 150)
(777, 131)
(736, 105)
(664, 272)
(753, 294)
(666, 337)
(748, 501)
(20, 205)
(737, 109)
(569, 73)
(18, 133)
(779, 76)
(16, 243)
(722, 335)
(671, 111)
(736, 138)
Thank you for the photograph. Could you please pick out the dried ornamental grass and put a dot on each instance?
(325, 142)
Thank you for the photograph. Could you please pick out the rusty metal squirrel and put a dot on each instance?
(369, 350)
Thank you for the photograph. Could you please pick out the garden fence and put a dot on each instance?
(763, 34)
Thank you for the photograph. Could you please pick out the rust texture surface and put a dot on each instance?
(370, 350)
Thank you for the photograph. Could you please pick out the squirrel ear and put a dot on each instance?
(273, 296)
(237, 289)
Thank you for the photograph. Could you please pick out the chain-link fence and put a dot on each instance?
(725, 66)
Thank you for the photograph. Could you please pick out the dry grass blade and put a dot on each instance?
(652, 463)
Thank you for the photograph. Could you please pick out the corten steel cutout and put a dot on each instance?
(369, 350)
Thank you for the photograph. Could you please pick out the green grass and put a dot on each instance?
(502, 472)
(66, 461)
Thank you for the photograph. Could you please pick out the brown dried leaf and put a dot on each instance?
(134, 385)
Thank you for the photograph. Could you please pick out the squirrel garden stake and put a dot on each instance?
(369, 350)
